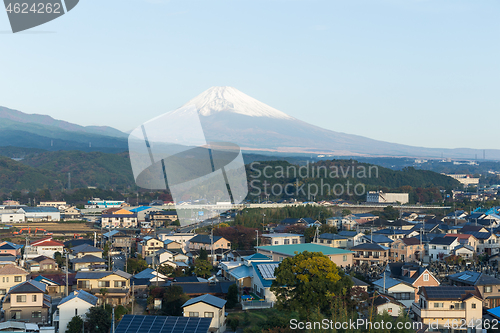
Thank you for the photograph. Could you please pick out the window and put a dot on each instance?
(439, 305)
(209, 314)
(473, 305)
(3, 291)
(344, 258)
(275, 242)
(194, 314)
(286, 241)
(119, 284)
(280, 258)
(33, 298)
(295, 241)
(76, 312)
(103, 284)
(487, 289)
(21, 298)
(36, 314)
(389, 310)
(15, 315)
(18, 278)
(84, 284)
(433, 247)
(426, 277)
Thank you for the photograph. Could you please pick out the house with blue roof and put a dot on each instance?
(263, 277)
(77, 303)
(402, 291)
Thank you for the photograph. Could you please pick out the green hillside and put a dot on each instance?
(49, 170)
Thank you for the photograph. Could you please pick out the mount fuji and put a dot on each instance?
(227, 114)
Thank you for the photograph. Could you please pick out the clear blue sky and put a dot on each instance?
(423, 73)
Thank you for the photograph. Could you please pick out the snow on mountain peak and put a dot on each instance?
(229, 99)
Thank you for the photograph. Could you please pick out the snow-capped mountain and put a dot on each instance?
(227, 114)
(229, 99)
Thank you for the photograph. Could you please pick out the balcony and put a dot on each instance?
(438, 313)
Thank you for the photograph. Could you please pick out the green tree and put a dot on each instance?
(75, 325)
(59, 259)
(173, 299)
(98, 320)
(103, 292)
(202, 268)
(232, 296)
(136, 265)
(203, 255)
(234, 323)
(308, 282)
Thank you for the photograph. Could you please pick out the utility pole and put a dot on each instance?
(113, 321)
(133, 296)
(257, 231)
(67, 272)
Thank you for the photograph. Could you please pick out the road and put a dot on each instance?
(191, 227)
(118, 262)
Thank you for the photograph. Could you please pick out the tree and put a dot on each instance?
(173, 299)
(234, 323)
(59, 259)
(98, 320)
(75, 325)
(136, 265)
(232, 296)
(203, 255)
(308, 282)
(202, 268)
(103, 292)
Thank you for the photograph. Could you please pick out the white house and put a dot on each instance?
(441, 247)
(207, 306)
(77, 303)
(43, 247)
(263, 276)
(282, 239)
(181, 238)
(401, 291)
(37, 214)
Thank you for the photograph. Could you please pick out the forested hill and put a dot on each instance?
(49, 170)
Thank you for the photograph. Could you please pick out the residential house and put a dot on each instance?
(171, 245)
(162, 218)
(88, 262)
(393, 234)
(465, 251)
(353, 237)
(443, 305)
(117, 284)
(340, 257)
(10, 248)
(27, 302)
(83, 250)
(288, 222)
(70, 214)
(413, 274)
(402, 291)
(377, 239)
(11, 275)
(242, 271)
(488, 242)
(370, 253)
(119, 240)
(56, 283)
(441, 247)
(387, 304)
(41, 263)
(341, 223)
(281, 239)
(488, 286)
(332, 240)
(207, 306)
(357, 283)
(407, 250)
(149, 277)
(466, 239)
(43, 247)
(8, 260)
(199, 242)
(149, 246)
(78, 303)
(121, 218)
(263, 277)
(181, 238)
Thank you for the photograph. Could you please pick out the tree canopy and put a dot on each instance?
(308, 278)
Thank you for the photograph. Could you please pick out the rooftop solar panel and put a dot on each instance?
(267, 270)
(161, 324)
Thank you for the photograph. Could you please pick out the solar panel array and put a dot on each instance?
(161, 324)
(464, 277)
(448, 292)
(267, 270)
